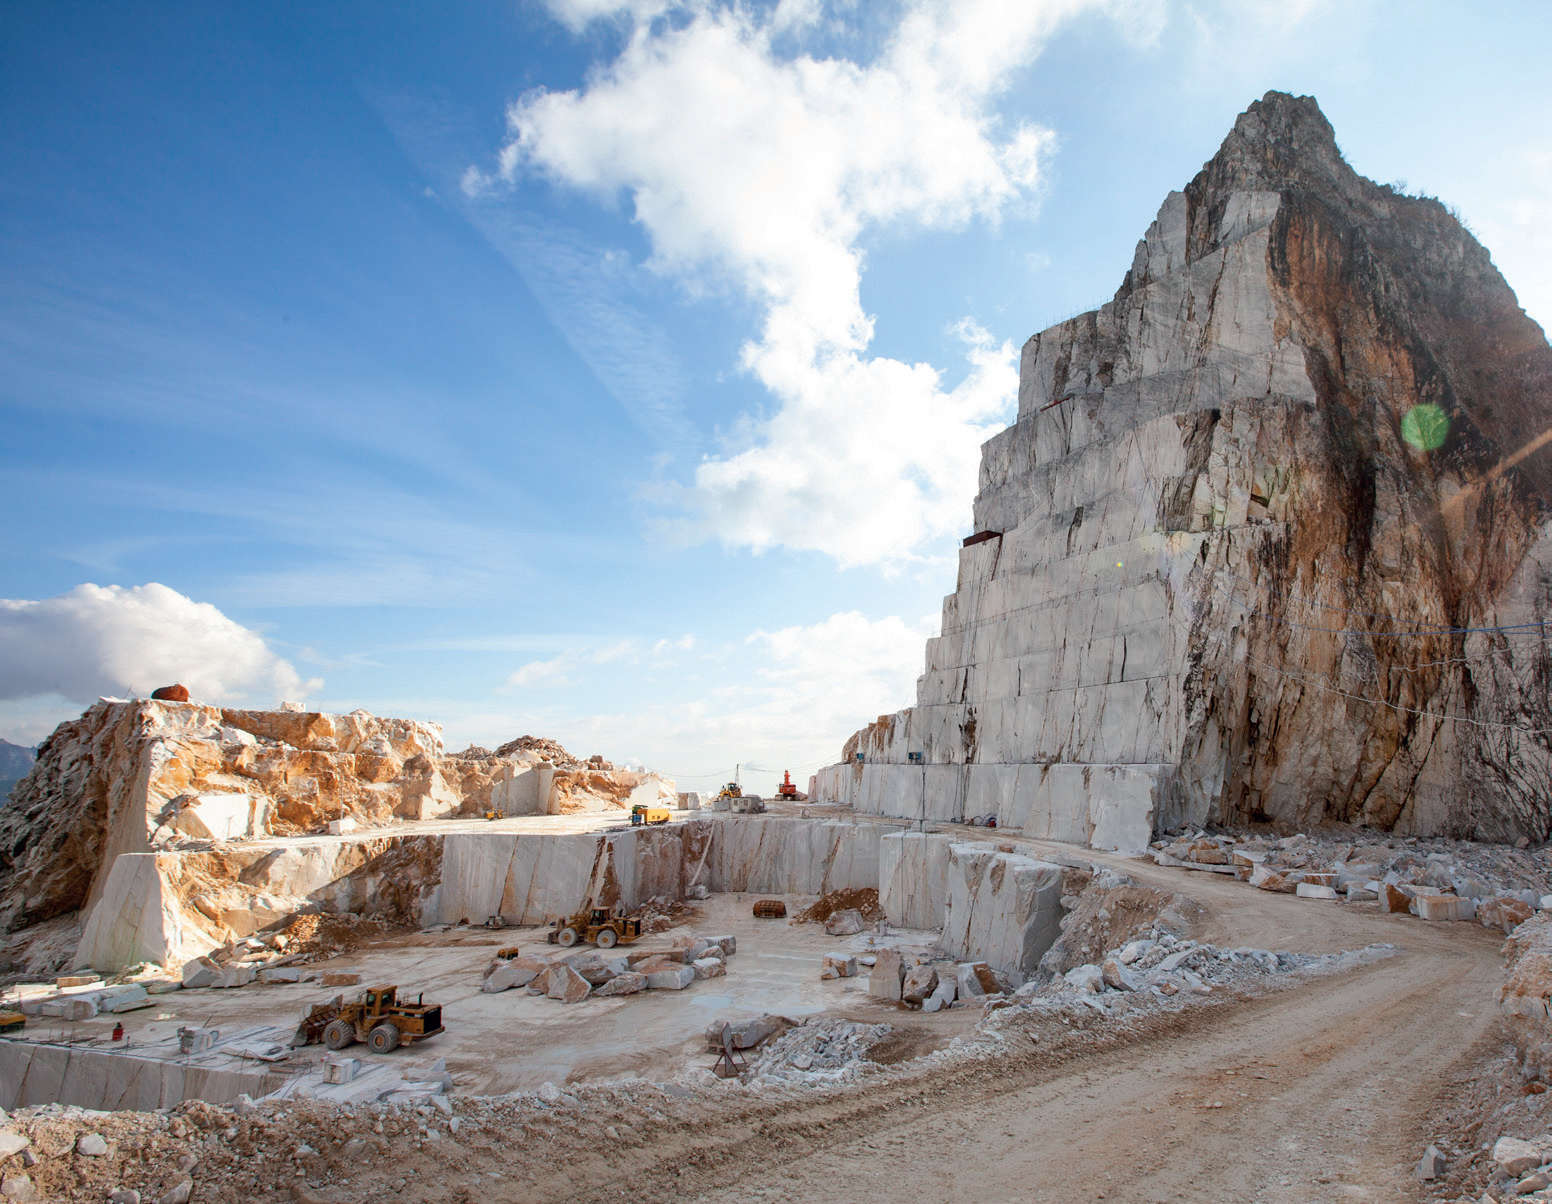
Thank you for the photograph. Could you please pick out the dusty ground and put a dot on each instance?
(1326, 1091)
(513, 1041)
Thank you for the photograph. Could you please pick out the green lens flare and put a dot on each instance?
(1425, 427)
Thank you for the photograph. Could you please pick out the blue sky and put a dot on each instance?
(611, 371)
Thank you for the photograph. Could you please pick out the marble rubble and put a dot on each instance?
(1268, 541)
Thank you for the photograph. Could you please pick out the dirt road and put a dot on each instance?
(1321, 1092)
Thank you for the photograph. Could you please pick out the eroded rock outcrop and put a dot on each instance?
(137, 776)
(1269, 539)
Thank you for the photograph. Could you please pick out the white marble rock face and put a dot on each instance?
(1169, 622)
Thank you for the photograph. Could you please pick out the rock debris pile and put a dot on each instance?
(821, 1052)
(1435, 879)
(601, 973)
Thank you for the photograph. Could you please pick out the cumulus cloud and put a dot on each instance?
(97, 640)
(762, 169)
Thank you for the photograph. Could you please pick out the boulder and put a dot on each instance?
(91, 1145)
(838, 965)
(629, 982)
(888, 972)
(1088, 978)
(708, 967)
(234, 976)
(1431, 1166)
(279, 974)
(1504, 913)
(512, 972)
(12, 1142)
(746, 1033)
(595, 967)
(848, 922)
(1444, 907)
(125, 997)
(565, 984)
(943, 995)
(675, 978)
(1393, 899)
(919, 982)
(1515, 1156)
(975, 978)
(172, 693)
(201, 972)
(1267, 878)
(728, 944)
(1315, 890)
(1118, 977)
(19, 1187)
(655, 962)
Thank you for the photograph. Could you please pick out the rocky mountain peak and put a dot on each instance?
(1280, 140)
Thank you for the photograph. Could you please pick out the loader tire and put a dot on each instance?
(383, 1039)
(337, 1034)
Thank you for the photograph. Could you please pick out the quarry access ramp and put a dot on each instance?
(1323, 1090)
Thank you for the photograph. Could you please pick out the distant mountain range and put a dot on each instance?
(15, 764)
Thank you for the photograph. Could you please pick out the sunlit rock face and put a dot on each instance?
(1237, 554)
(140, 776)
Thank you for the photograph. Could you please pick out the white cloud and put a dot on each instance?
(552, 672)
(97, 640)
(748, 167)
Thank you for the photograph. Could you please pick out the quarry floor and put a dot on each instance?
(1326, 1091)
(514, 1041)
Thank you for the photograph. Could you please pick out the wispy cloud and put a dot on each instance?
(596, 297)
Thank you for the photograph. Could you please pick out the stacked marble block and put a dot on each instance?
(1053, 699)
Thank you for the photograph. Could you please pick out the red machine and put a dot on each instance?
(787, 789)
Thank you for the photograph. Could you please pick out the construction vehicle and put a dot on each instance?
(642, 813)
(11, 1022)
(382, 1022)
(731, 790)
(788, 788)
(596, 926)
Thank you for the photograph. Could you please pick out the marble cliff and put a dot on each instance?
(139, 777)
(1268, 541)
